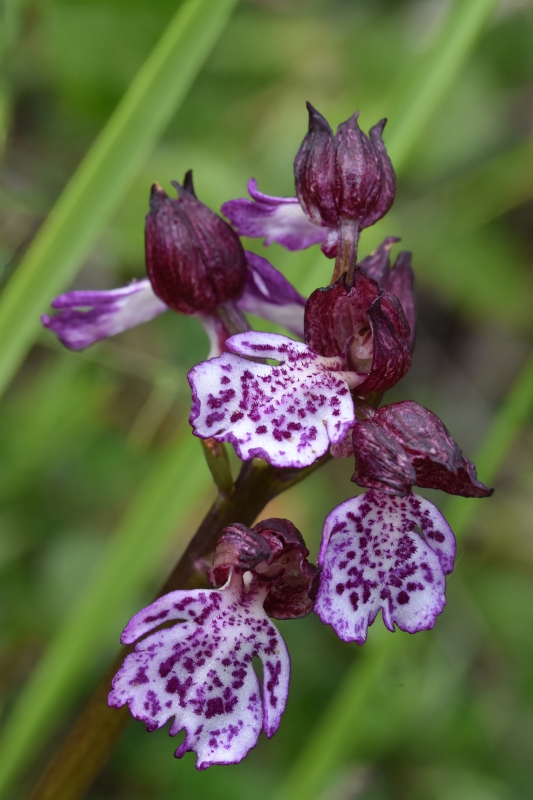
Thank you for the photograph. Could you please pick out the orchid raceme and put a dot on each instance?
(289, 403)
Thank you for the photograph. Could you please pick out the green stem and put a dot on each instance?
(97, 730)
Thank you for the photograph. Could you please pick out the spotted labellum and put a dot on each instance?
(383, 553)
(199, 672)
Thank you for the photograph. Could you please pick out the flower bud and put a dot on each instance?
(194, 260)
(343, 176)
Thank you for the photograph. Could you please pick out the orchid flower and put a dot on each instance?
(357, 340)
(196, 265)
(346, 176)
(371, 554)
(200, 671)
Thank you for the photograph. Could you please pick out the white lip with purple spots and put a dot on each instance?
(373, 558)
(287, 414)
(200, 671)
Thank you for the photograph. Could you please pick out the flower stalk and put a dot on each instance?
(346, 260)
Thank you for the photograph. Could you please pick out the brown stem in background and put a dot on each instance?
(97, 730)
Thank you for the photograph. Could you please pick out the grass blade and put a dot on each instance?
(413, 102)
(94, 623)
(99, 183)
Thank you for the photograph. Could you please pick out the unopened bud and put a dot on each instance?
(343, 176)
(195, 260)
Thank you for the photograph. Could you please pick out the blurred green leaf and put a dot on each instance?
(412, 101)
(110, 595)
(104, 175)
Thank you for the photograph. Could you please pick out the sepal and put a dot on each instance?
(365, 324)
(405, 444)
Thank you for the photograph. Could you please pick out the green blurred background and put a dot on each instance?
(451, 717)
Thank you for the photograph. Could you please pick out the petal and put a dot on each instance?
(372, 559)
(343, 449)
(268, 294)
(200, 672)
(86, 317)
(185, 605)
(276, 673)
(278, 219)
(288, 414)
(435, 530)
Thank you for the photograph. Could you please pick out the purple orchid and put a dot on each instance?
(346, 176)
(372, 558)
(200, 672)
(196, 265)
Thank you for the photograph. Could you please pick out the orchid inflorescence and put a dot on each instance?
(290, 403)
